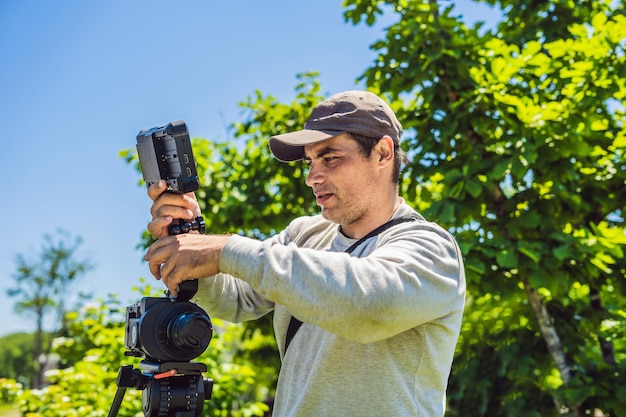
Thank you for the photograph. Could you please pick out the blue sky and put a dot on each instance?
(80, 79)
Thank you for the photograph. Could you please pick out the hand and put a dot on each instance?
(175, 259)
(169, 206)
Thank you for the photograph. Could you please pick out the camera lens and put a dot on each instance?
(190, 330)
(174, 331)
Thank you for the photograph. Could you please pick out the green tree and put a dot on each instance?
(42, 287)
(517, 141)
(13, 348)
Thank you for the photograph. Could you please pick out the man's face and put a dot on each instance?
(344, 182)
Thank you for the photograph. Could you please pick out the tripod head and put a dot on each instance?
(174, 389)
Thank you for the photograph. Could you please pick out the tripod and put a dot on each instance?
(170, 389)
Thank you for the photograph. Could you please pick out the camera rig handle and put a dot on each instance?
(186, 290)
(184, 226)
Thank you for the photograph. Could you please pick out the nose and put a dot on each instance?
(314, 176)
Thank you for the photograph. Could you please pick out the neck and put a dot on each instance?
(375, 217)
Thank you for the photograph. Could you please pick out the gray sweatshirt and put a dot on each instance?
(380, 325)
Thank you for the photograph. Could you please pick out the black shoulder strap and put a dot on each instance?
(380, 229)
(294, 323)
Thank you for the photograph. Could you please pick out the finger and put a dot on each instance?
(194, 206)
(166, 267)
(155, 270)
(173, 211)
(184, 259)
(156, 247)
(179, 206)
(169, 273)
(173, 291)
(156, 189)
(157, 255)
(172, 284)
(159, 226)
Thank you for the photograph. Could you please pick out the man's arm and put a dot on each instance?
(415, 277)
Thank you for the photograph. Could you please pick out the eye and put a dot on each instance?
(328, 159)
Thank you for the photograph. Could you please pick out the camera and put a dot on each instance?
(165, 153)
(168, 332)
(164, 329)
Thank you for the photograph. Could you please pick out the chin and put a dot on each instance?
(328, 216)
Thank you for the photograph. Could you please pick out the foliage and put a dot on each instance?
(42, 284)
(9, 390)
(42, 287)
(95, 349)
(14, 348)
(517, 143)
(244, 189)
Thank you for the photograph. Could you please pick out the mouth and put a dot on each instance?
(322, 198)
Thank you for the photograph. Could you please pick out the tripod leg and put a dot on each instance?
(117, 401)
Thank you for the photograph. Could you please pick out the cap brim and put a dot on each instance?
(290, 146)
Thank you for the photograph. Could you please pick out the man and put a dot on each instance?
(367, 297)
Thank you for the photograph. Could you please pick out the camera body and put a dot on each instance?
(165, 153)
(164, 329)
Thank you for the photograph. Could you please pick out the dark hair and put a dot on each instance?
(366, 144)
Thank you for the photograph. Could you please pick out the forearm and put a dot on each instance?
(364, 299)
(231, 299)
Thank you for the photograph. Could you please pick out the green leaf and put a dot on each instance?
(473, 187)
(531, 254)
(562, 252)
(506, 259)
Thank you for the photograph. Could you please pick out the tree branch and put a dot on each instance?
(553, 341)
(608, 353)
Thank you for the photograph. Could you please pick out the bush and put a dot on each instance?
(94, 353)
(9, 390)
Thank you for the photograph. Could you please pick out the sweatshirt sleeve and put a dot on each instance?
(231, 299)
(413, 276)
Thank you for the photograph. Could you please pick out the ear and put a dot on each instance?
(385, 150)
